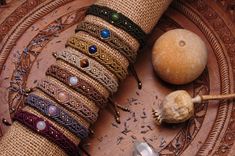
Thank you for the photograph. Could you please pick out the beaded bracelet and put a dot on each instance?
(70, 101)
(119, 20)
(110, 37)
(99, 87)
(77, 84)
(78, 118)
(45, 129)
(103, 56)
(76, 140)
(90, 67)
(116, 55)
(132, 42)
(51, 110)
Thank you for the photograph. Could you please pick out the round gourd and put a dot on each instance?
(179, 56)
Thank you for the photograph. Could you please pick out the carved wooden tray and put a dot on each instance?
(31, 30)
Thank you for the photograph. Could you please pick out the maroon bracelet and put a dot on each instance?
(47, 130)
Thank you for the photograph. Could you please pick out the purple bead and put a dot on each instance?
(52, 110)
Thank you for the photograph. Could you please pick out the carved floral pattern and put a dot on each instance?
(189, 131)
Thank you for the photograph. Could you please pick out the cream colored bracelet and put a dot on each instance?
(90, 67)
(85, 77)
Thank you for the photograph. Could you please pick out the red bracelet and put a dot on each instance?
(48, 131)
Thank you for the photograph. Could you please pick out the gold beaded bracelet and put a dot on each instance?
(90, 67)
(131, 41)
(73, 101)
(76, 140)
(94, 48)
(123, 61)
(108, 36)
(103, 91)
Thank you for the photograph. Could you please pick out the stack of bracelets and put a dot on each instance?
(86, 73)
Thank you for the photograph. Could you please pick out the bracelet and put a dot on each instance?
(77, 84)
(99, 87)
(51, 110)
(119, 20)
(119, 58)
(90, 67)
(60, 128)
(132, 42)
(102, 55)
(79, 119)
(45, 129)
(110, 37)
(70, 101)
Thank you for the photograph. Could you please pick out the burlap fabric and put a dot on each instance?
(21, 141)
(144, 13)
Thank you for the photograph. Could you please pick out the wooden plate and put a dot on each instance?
(31, 30)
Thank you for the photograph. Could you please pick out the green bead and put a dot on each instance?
(115, 16)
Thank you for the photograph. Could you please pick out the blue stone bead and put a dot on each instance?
(105, 33)
(92, 49)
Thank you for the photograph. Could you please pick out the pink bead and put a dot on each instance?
(41, 125)
(62, 97)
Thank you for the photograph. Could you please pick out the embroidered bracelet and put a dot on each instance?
(119, 20)
(76, 140)
(77, 84)
(45, 129)
(116, 55)
(131, 41)
(103, 56)
(90, 67)
(51, 110)
(110, 37)
(99, 87)
(65, 98)
(78, 118)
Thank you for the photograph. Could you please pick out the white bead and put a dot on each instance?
(41, 125)
(52, 110)
(73, 80)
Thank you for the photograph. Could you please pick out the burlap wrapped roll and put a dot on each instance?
(21, 141)
(144, 13)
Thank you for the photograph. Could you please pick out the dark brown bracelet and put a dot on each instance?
(109, 37)
(119, 20)
(65, 98)
(77, 84)
(50, 110)
(45, 129)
